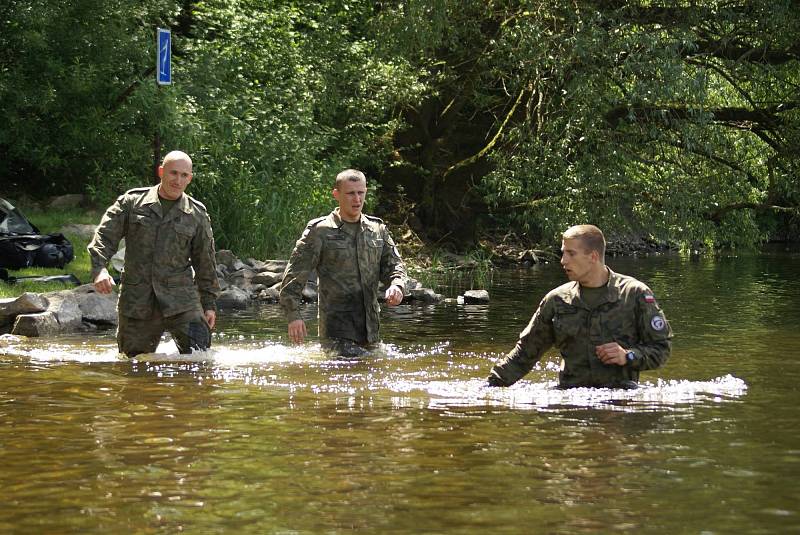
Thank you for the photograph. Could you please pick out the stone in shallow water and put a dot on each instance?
(476, 297)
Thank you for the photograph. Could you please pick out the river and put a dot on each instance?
(256, 436)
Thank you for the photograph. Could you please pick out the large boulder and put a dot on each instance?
(63, 315)
(71, 200)
(27, 303)
(95, 307)
(82, 231)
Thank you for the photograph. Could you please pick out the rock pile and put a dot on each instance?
(243, 283)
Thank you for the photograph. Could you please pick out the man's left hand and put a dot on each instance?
(211, 318)
(611, 353)
(394, 295)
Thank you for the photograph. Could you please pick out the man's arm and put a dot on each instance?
(537, 337)
(113, 226)
(653, 337)
(205, 269)
(392, 270)
(654, 344)
(302, 261)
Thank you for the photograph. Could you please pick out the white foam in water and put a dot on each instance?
(540, 396)
(248, 361)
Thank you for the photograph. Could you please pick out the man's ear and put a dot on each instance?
(336, 194)
(160, 171)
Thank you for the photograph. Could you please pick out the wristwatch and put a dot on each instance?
(630, 357)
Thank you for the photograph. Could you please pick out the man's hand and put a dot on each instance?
(297, 331)
(394, 295)
(611, 353)
(211, 318)
(103, 282)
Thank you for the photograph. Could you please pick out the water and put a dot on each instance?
(255, 436)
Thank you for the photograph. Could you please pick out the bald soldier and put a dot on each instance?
(351, 253)
(170, 279)
(608, 327)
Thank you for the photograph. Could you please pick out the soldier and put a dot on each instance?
(351, 252)
(170, 279)
(607, 326)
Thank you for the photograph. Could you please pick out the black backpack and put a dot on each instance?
(19, 251)
(22, 245)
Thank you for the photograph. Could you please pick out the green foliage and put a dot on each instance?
(677, 121)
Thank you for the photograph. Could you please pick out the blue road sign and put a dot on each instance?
(164, 57)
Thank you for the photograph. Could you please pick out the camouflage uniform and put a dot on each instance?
(629, 315)
(158, 290)
(349, 268)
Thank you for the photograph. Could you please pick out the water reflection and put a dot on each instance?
(258, 436)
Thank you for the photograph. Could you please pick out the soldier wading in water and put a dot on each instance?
(607, 326)
(351, 253)
(168, 238)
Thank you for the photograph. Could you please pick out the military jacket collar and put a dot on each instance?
(338, 221)
(572, 293)
(151, 199)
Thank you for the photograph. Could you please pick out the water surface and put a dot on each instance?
(256, 436)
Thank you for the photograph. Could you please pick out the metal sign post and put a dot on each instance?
(163, 77)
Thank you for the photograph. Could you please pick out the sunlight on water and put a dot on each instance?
(254, 363)
(527, 395)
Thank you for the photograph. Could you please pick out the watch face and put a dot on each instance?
(631, 356)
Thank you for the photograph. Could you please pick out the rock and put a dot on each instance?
(267, 278)
(472, 297)
(64, 305)
(40, 324)
(72, 200)
(269, 295)
(95, 307)
(226, 258)
(277, 266)
(233, 297)
(242, 278)
(257, 265)
(26, 303)
(83, 231)
(425, 295)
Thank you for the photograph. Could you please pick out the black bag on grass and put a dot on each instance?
(21, 244)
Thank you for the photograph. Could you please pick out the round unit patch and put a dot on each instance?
(657, 323)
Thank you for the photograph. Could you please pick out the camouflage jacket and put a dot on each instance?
(160, 253)
(347, 269)
(629, 316)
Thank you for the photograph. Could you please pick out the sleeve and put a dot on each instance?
(533, 341)
(393, 270)
(303, 260)
(654, 336)
(112, 228)
(204, 264)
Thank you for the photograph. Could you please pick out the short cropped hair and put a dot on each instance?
(349, 175)
(590, 236)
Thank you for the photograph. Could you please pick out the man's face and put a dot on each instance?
(175, 176)
(578, 262)
(351, 197)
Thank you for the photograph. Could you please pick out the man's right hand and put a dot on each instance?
(297, 331)
(103, 282)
